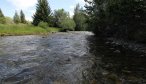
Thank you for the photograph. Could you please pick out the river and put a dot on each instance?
(68, 58)
(54, 59)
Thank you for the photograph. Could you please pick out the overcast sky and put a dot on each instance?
(28, 6)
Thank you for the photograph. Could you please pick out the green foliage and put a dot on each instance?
(68, 24)
(22, 17)
(2, 18)
(43, 12)
(77, 18)
(53, 29)
(80, 19)
(77, 9)
(9, 20)
(117, 18)
(16, 18)
(43, 25)
(1, 13)
(24, 29)
(20, 29)
(60, 15)
(52, 21)
(63, 20)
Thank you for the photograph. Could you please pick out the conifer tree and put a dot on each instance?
(1, 14)
(2, 17)
(22, 17)
(43, 12)
(79, 18)
(16, 18)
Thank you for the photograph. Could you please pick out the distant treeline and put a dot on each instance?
(16, 19)
(45, 17)
(59, 18)
(124, 19)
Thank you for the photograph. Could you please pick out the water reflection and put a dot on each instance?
(114, 64)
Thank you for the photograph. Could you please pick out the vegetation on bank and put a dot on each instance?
(124, 19)
(24, 29)
(44, 20)
(59, 18)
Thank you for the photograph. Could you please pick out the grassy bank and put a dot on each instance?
(24, 29)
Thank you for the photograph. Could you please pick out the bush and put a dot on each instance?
(2, 20)
(68, 24)
(43, 25)
(9, 20)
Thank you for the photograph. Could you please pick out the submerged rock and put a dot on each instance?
(117, 51)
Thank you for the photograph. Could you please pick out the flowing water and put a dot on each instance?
(68, 58)
(54, 59)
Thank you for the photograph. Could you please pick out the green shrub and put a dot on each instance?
(2, 20)
(43, 25)
(9, 20)
(68, 24)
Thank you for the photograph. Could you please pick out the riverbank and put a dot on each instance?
(24, 29)
(116, 62)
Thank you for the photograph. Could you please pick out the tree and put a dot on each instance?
(117, 18)
(68, 24)
(77, 9)
(60, 16)
(9, 20)
(43, 12)
(96, 16)
(2, 17)
(16, 18)
(63, 20)
(22, 17)
(1, 13)
(79, 18)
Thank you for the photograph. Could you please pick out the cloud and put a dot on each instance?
(82, 2)
(28, 7)
(23, 4)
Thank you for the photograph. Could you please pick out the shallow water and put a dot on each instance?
(54, 59)
(68, 58)
(114, 64)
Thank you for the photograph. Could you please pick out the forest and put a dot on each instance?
(125, 19)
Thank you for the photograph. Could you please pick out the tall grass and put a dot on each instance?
(23, 29)
(53, 29)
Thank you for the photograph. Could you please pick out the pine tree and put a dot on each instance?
(1, 14)
(77, 9)
(42, 12)
(2, 17)
(79, 18)
(22, 17)
(16, 18)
